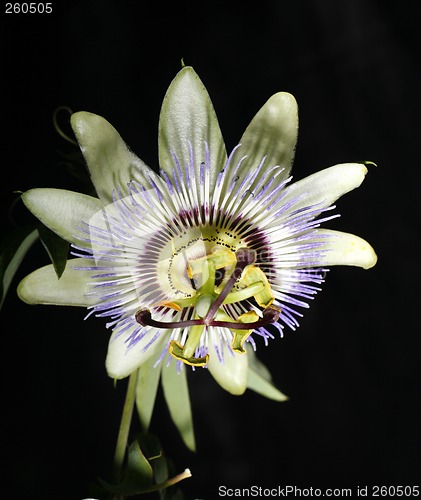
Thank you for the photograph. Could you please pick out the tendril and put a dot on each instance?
(57, 126)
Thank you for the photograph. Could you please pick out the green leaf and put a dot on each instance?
(139, 472)
(138, 475)
(13, 249)
(176, 394)
(146, 388)
(260, 380)
(146, 475)
(56, 247)
(151, 447)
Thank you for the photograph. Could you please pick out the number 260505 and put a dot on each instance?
(29, 8)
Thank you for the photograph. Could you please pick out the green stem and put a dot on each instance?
(123, 433)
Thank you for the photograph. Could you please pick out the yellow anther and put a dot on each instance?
(178, 305)
(186, 353)
(189, 271)
(240, 336)
(253, 274)
(178, 352)
(171, 305)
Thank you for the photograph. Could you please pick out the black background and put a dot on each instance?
(352, 369)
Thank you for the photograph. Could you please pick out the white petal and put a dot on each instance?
(43, 287)
(231, 375)
(111, 164)
(326, 186)
(272, 133)
(188, 118)
(264, 387)
(62, 211)
(260, 379)
(146, 389)
(176, 393)
(344, 249)
(122, 361)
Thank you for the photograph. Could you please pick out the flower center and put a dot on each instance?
(210, 282)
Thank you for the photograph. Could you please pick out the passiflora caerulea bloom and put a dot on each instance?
(196, 263)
